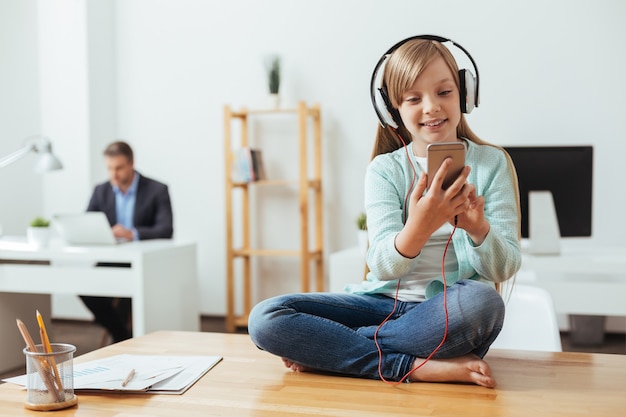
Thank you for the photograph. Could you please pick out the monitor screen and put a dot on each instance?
(567, 172)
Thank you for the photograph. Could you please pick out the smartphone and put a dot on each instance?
(438, 152)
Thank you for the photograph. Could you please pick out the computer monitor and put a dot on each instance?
(567, 173)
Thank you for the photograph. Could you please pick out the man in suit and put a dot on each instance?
(137, 208)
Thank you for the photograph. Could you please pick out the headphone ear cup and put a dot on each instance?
(467, 83)
(391, 115)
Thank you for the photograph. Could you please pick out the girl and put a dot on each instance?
(403, 323)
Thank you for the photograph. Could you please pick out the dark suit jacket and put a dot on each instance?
(153, 209)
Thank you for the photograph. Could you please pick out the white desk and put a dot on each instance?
(345, 267)
(159, 275)
(583, 279)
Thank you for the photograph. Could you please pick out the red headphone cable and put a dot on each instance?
(395, 304)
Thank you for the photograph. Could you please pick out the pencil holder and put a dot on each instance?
(50, 377)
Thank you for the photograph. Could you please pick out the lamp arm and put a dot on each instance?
(15, 156)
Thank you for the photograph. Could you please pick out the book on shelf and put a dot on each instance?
(248, 165)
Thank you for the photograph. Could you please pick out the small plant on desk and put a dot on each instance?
(38, 234)
(40, 222)
(361, 221)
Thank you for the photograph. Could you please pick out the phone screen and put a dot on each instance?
(438, 152)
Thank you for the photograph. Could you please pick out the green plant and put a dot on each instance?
(39, 222)
(361, 221)
(274, 75)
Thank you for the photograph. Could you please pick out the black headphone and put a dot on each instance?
(389, 116)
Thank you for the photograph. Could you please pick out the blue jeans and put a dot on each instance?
(335, 332)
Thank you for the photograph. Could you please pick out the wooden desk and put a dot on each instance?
(250, 382)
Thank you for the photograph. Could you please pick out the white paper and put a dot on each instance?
(152, 373)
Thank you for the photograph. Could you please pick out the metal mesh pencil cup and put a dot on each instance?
(50, 377)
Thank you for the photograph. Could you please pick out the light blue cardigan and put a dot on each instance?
(387, 183)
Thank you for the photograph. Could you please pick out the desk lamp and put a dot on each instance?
(40, 145)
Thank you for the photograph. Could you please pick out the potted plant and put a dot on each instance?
(38, 234)
(273, 77)
(361, 223)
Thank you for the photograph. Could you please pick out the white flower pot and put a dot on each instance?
(38, 237)
(273, 101)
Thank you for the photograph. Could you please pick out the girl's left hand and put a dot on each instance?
(472, 219)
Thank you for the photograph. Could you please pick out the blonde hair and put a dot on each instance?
(402, 69)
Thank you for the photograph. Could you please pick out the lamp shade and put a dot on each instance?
(47, 162)
(41, 146)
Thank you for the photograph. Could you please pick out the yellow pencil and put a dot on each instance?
(44, 335)
(45, 341)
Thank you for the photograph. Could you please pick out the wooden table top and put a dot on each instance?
(250, 382)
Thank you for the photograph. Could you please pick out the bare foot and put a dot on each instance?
(467, 368)
(295, 366)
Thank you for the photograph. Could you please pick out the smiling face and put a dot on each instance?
(430, 107)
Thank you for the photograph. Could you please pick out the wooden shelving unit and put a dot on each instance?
(309, 185)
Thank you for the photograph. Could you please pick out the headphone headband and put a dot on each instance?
(467, 81)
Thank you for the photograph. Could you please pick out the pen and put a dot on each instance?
(130, 376)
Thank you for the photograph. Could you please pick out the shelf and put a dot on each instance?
(241, 321)
(313, 111)
(309, 208)
(315, 184)
(274, 252)
(257, 112)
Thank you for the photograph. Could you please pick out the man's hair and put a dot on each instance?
(120, 148)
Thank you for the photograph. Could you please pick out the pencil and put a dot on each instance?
(44, 335)
(130, 376)
(44, 366)
(24, 331)
(45, 341)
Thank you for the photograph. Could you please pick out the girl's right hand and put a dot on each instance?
(439, 206)
(428, 211)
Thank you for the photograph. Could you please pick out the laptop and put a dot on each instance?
(89, 228)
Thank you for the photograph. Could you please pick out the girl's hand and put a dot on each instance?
(448, 203)
(472, 219)
(470, 212)
(428, 212)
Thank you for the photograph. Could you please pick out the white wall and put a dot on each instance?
(549, 77)
(20, 200)
(65, 111)
(551, 73)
